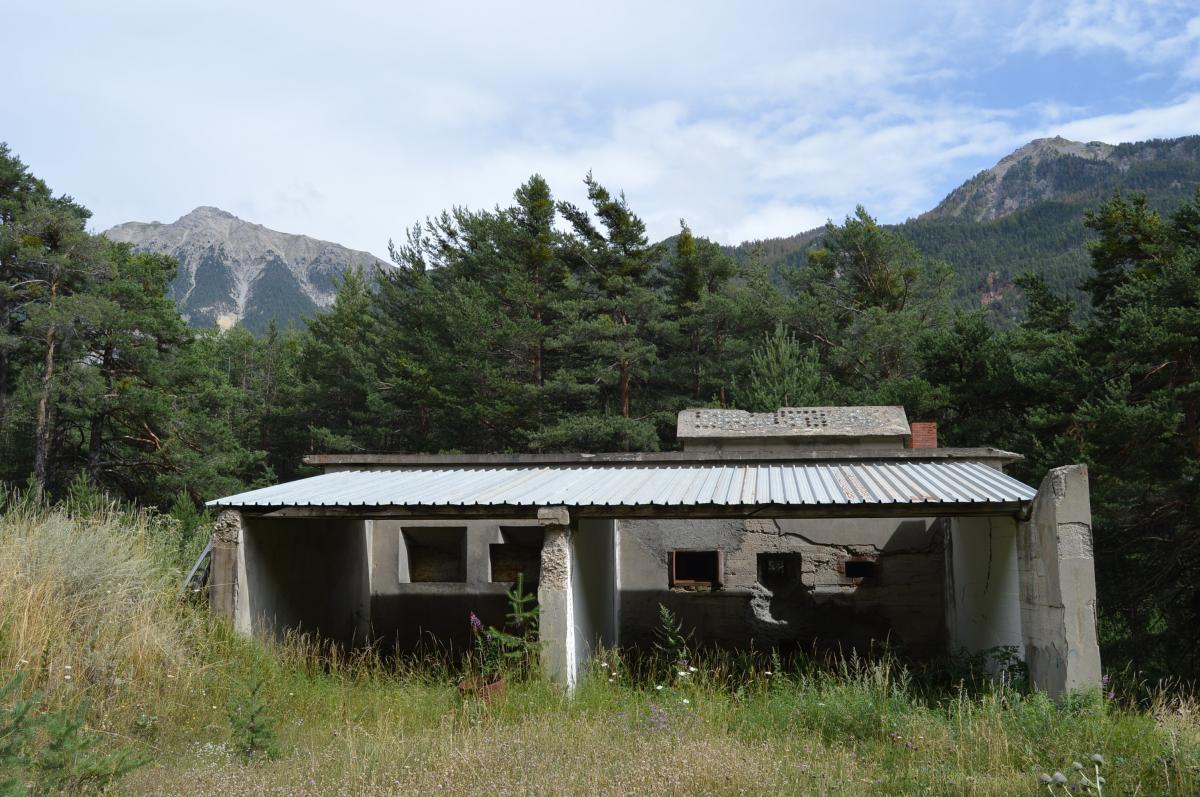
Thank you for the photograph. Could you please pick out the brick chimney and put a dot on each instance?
(923, 434)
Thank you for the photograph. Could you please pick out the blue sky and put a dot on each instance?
(352, 121)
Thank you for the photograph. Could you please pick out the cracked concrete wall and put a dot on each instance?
(1058, 585)
(816, 603)
(983, 585)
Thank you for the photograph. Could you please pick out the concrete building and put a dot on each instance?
(807, 525)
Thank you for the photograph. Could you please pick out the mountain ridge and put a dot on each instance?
(1025, 214)
(236, 271)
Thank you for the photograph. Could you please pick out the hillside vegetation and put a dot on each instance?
(90, 618)
(1025, 215)
(546, 326)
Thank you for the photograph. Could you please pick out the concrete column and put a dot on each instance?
(556, 625)
(227, 582)
(1058, 585)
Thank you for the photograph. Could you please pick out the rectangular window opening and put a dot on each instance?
(695, 568)
(778, 569)
(861, 568)
(434, 554)
(510, 559)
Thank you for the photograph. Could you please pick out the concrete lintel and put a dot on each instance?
(549, 516)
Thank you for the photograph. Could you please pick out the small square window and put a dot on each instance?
(695, 568)
(860, 568)
(778, 569)
(434, 554)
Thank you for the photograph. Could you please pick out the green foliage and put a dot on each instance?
(784, 374)
(252, 726)
(514, 649)
(52, 750)
(670, 640)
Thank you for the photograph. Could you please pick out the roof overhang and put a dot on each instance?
(714, 488)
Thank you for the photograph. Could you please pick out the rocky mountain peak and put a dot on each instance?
(232, 271)
(1020, 179)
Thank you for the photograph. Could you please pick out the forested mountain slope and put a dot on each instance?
(1025, 214)
(232, 271)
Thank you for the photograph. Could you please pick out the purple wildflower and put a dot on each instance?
(1104, 680)
(476, 624)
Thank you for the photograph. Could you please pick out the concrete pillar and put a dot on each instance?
(556, 624)
(1058, 585)
(227, 582)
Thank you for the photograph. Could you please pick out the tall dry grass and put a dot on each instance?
(88, 609)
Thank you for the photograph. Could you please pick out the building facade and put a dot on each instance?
(807, 526)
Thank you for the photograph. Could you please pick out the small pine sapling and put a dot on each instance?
(253, 728)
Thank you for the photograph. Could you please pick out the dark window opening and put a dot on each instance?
(436, 554)
(778, 569)
(508, 560)
(861, 568)
(695, 568)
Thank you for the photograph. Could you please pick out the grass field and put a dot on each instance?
(88, 613)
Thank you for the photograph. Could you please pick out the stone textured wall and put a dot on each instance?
(816, 602)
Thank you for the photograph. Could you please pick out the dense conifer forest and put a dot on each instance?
(543, 326)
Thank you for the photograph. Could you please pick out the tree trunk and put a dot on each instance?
(41, 451)
(96, 438)
(625, 368)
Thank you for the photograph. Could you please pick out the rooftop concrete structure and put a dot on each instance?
(859, 427)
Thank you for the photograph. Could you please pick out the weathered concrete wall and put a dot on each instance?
(813, 602)
(593, 587)
(1058, 585)
(406, 614)
(982, 585)
(306, 574)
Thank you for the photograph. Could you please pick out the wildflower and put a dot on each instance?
(610, 680)
(683, 674)
(768, 673)
(1044, 778)
(658, 687)
(66, 677)
(1075, 765)
(685, 701)
(1097, 759)
(476, 624)
(1059, 777)
(1104, 680)
(604, 665)
(66, 666)
(692, 669)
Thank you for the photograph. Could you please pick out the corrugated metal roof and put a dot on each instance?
(621, 485)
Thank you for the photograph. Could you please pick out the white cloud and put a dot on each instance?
(1146, 32)
(751, 120)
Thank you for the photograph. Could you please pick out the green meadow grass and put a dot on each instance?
(88, 613)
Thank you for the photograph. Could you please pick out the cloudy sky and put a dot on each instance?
(350, 121)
